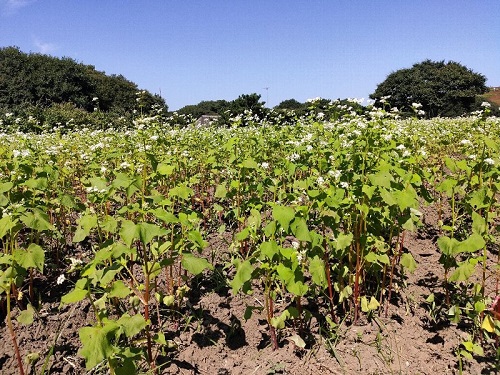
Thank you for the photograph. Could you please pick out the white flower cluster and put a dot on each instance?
(22, 153)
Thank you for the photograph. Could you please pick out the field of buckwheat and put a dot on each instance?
(310, 222)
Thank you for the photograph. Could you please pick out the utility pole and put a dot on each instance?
(267, 96)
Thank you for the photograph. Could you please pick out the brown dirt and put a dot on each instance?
(218, 340)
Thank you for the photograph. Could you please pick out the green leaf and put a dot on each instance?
(37, 220)
(447, 245)
(408, 262)
(373, 305)
(318, 273)
(165, 216)
(193, 264)
(77, 294)
(37, 183)
(96, 345)
(165, 169)
(5, 187)
(181, 191)
(293, 279)
(300, 230)
(220, 191)
(131, 325)
(278, 322)
(269, 249)
(32, 257)
(478, 223)
(26, 316)
(283, 215)
(462, 272)
(488, 324)
(85, 224)
(382, 178)
(364, 304)
(250, 164)
(148, 231)
(343, 241)
(119, 289)
(243, 274)
(6, 224)
(473, 243)
(128, 232)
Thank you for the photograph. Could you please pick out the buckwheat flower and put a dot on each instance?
(103, 169)
(416, 105)
(295, 245)
(16, 153)
(472, 157)
(335, 174)
(401, 147)
(294, 157)
(95, 98)
(489, 161)
(61, 279)
(420, 112)
(485, 105)
(309, 148)
(406, 153)
(344, 185)
(124, 165)
(465, 142)
(301, 255)
(320, 115)
(265, 165)
(320, 180)
(154, 137)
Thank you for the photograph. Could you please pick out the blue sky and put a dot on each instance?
(207, 50)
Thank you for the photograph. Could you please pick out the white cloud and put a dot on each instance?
(44, 47)
(12, 6)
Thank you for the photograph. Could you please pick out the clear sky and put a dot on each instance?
(194, 50)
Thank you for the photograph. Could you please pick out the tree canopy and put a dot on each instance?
(40, 80)
(443, 89)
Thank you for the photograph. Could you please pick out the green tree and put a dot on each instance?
(443, 89)
(36, 80)
(248, 102)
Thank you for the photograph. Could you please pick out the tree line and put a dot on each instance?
(63, 91)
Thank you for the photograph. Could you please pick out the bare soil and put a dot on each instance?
(217, 340)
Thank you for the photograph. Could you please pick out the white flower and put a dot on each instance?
(320, 180)
(295, 244)
(309, 148)
(124, 165)
(465, 142)
(154, 137)
(406, 153)
(265, 165)
(489, 161)
(335, 174)
(294, 157)
(344, 185)
(400, 147)
(61, 279)
(420, 112)
(416, 105)
(103, 169)
(485, 105)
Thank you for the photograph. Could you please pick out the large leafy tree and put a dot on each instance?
(42, 81)
(443, 89)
